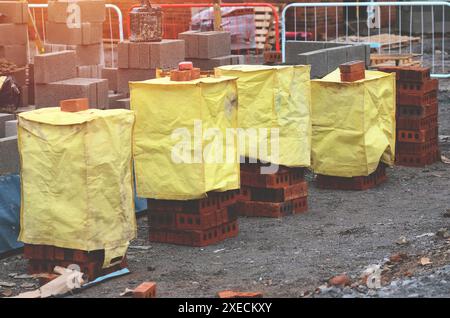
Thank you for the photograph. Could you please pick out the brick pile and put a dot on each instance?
(139, 61)
(44, 258)
(417, 116)
(14, 44)
(55, 77)
(358, 183)
(272, 195)
(198, 222)
(207, 50)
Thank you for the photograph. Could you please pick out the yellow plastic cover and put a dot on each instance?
(353, 124)
(179, 147)
(77, 187)
(275, 97)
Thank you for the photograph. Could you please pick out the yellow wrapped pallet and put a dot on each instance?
(277, 98)
(77, 186)
(353, 124)
(184, 144)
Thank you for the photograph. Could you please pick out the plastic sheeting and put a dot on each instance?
(275, 97)
(179, 139)
(353, 124)
(9, 213)
(77, 186)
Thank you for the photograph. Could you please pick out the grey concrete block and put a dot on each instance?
(356, 53)
(9, 155)
(294, 48)
(3, 119)
(11, 128)
(335, 57)
(113, 100)
(121, 104)
(126, 75)
(318, 61)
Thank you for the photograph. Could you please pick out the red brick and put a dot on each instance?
(280, 179)
(353, 67)
(74, 105)
(417, 136)
(417, 160)
(271, 209)
(416, 148)
(180, 76)
(417, 87)
(417, 123)
(417, 112)
(418, 99)
(145, 290)
(287, 193)
(352, 77)
(353, 183)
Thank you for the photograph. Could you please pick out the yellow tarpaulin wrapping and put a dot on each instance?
(172, 161)
(77, 186)
(275, 97)
(353, 124)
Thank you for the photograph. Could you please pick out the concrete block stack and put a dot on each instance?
(9, 154)
(44, 258)
(55, 76)
(138, 61)
(14, 43)
(207, 50)
(417, 116)
(272, 195)
(85, 40)
(199, 222)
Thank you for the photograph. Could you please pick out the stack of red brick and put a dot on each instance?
(199, 222)
(272, 195)
(353, 183)
(44, 258)
(352, 71)
(207, 50)
(14, 43)
(417, 116)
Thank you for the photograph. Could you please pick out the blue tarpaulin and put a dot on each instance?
(10, 212)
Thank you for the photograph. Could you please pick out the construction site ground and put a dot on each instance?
(343, 232)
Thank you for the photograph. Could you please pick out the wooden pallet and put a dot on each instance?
(384, 39)
(265, 28)
(377, 60)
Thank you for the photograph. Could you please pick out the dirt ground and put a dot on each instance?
(342, 232)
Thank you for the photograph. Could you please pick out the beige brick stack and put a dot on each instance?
(86, 41)
(74, 58)
(208, 50)
(14, 42)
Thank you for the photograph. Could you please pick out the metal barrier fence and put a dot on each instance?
(113, 12)
(381, 24)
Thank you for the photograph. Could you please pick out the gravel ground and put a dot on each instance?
(343, 232)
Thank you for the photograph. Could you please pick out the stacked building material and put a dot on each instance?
(14, 43)
(198, 222)
(138, 61)
(416, 116)
(85, 39)
(272, 195)
(207, 50)
(189, 203)
(44, 258)
(55, 77)
(354, 132)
